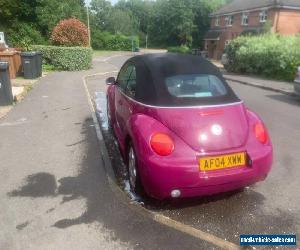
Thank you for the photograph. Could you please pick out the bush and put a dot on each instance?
(107, 41)
(22, 35)
(268, 55)
(66, 58)
(182, 49)
(70, 32)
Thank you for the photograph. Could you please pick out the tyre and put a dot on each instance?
(133, 173)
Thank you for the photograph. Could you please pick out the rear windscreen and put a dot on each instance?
(195, 86)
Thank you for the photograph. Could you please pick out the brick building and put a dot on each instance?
(251, 16)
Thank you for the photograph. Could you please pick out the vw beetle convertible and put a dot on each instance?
(182, 130)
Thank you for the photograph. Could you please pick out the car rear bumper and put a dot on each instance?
(159, 181)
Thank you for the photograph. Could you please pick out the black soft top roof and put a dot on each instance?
(153, 69)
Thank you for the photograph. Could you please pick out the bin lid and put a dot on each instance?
(29, 53)
(4, 65)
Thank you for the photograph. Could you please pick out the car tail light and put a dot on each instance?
(162, 144)
(261, 133)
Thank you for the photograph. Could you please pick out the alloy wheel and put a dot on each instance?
(132, 168)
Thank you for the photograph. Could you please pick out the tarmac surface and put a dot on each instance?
(269, 207)
(54, 191)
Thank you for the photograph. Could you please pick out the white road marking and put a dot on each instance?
(224, 244)
(105, 59)
(110, 57)
(156, 216)
(93, 111)
(101, 74)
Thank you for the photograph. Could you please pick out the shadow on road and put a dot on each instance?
(170, 204)
(225, 215)
(89, 184)
(102, 205)
(37, 185)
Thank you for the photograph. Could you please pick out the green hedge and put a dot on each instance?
(107, 41)
(268, 55)
(180, 49)
(21, 35)
(66, 58)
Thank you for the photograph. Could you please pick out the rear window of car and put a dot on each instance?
(195, 86)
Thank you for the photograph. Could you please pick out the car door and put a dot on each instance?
(121, 101)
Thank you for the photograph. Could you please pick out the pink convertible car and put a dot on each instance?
(182, 130)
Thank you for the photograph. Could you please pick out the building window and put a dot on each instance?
(263, 16)
(217, 23)
(245, 19)
(229, 20)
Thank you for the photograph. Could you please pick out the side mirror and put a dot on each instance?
(110, 81)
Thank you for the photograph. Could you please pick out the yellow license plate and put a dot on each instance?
(222, 161)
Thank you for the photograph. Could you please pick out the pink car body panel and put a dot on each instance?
(191, 130)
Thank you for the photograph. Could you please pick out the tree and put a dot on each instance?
(167, 22)
(18, 21)
(27, 21)
(100, 10)
(140, 10)
(172, 23)
(13, 11)
(120, 21)
(50, 12)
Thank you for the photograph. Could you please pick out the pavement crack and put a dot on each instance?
(22, 225)
(76, 143)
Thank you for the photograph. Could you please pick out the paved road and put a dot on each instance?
(272, 206)
(268, 207)
(54, 192)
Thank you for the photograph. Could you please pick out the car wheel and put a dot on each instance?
(133, 173)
